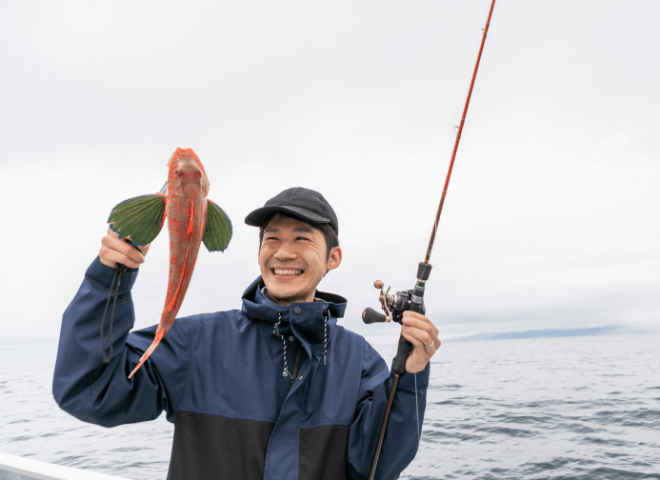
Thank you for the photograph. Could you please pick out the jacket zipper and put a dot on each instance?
(295, 365)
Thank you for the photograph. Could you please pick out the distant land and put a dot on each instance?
(551, 333)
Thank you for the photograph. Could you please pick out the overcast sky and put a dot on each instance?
(551, 219)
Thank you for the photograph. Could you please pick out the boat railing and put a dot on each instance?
(13, 467)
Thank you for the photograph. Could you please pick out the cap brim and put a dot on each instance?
(257, 217)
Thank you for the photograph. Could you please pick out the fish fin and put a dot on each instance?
(217, 232)
(159, 336)
(139, 219)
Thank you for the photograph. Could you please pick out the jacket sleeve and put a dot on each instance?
(94, 391)
(402, 434)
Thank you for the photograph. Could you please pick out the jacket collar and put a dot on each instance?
(307, 325)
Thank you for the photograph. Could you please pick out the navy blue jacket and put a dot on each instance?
(219, 378)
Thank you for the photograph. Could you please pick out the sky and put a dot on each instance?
(551, 216)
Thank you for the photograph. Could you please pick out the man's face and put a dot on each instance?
(293, 259)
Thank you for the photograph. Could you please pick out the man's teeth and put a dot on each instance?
(279, 271)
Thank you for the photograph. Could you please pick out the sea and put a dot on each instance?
(577, 408)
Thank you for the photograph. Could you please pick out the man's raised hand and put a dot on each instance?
(116, 250)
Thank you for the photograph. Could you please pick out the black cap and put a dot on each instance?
(303, 203)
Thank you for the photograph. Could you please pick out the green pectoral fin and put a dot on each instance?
(218, 228)
(139, 218)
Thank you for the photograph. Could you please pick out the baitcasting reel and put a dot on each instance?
(394, 306)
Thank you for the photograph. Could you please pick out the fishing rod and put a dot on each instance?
(394, 305)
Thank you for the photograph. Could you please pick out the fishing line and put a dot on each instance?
(419, 430)
(117, 276)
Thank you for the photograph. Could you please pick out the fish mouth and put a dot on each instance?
(286, 272)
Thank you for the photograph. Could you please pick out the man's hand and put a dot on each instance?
(423, 335)
(119, 250)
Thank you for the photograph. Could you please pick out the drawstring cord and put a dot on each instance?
(117, 276)
(326, 317)
(276, 332)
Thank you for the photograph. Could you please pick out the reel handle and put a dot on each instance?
(372, 316)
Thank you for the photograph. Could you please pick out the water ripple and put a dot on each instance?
(543, 409)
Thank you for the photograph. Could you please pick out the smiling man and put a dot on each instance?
(294, 258)
(275, 390)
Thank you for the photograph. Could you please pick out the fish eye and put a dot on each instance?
(176, 172)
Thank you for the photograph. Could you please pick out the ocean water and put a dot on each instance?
(558, 408)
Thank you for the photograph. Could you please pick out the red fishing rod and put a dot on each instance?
(395, 305)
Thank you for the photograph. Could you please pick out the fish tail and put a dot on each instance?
(159, 336)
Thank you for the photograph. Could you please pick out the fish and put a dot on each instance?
(191, 219)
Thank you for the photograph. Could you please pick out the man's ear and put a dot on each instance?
(334, 260)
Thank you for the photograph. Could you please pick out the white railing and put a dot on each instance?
(13, 467)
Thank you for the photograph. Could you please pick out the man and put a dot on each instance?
(276, 390)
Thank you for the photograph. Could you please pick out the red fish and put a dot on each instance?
(192, 219)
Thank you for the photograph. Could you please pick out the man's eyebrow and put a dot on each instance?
(296, 229)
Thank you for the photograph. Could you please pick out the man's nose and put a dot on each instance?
(285, 252)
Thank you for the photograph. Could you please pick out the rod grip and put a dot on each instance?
(405, 347)
(372, 316)
(399, 362)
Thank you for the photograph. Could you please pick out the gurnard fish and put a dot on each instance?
(192, 219)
